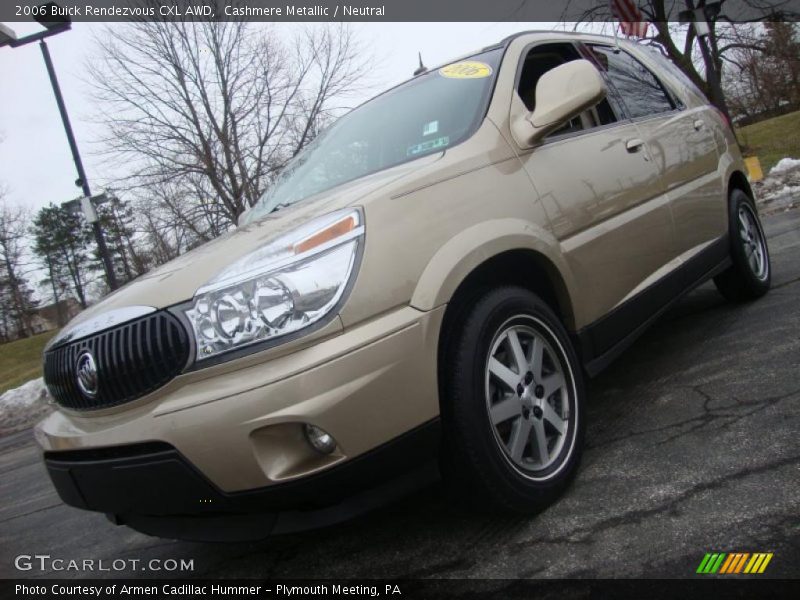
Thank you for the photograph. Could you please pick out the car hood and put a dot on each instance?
(176, 281)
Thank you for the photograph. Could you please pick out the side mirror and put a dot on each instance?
(561, 94)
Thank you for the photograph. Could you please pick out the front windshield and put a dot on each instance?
(423, 116)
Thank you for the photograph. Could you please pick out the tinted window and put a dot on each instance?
(425, 115)
(641, 91)
(666, 64)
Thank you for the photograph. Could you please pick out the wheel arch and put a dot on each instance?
(491, 248)
(514, 256)
(524, 267)
(738, 181)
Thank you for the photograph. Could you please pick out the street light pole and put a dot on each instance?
(76, 157)
(54, 21)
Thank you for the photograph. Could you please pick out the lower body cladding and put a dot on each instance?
(238, 466)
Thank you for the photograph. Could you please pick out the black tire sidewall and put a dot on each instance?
(475, 448)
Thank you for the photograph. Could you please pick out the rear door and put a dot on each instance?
(682, 145)
(605, 200)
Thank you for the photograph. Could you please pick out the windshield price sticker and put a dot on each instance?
(466, 70)
(436, 144)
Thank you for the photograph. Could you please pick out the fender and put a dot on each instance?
(463, 253)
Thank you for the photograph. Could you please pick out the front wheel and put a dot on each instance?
(513, 403)
(750, 275)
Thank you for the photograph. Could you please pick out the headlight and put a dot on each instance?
(281, 288)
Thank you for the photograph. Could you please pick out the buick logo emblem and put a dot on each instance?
(86, 374)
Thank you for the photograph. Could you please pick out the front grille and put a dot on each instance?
(132, 360)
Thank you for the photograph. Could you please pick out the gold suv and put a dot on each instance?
(422, 290)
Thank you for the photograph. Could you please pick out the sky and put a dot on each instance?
(36, 166)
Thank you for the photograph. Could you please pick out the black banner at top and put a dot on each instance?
(387, 10)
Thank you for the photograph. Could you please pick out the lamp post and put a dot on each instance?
(54, 25)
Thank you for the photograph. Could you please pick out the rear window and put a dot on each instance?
(641, 91)
(669, 66)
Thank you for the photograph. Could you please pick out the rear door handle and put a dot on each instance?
(698, 125)
(634, 145)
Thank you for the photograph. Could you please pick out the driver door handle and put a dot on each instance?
(634, 145)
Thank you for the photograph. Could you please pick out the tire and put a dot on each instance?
(485, 421)
(751, 273)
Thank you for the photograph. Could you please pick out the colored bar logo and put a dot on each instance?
(734, 563)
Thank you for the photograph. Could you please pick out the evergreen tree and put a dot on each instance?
(117, 222)
(62, 241)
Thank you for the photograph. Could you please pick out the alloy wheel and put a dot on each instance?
(753, 242)
(529, 397)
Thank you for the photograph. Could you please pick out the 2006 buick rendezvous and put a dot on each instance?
(433, 275)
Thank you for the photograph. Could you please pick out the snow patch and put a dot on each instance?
(784, 165)
(780, 189)
(23, 406)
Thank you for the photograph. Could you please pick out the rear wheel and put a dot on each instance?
(513, 403)
(750, 275)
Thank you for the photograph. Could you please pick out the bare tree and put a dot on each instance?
(764, 70)
(117, 220)
(701, 60)
(18, 302)
(206, 114)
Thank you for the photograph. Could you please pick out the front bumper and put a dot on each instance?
(154, 489)
(232, 430)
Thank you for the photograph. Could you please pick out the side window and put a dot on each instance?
(539, 61)
(670, 66)
(641, 91)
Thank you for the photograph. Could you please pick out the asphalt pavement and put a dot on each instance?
(692, 447)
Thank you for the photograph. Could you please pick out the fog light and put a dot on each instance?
(319, 439)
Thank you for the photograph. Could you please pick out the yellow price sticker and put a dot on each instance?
(466, 70)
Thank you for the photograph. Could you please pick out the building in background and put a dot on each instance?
(54, 316)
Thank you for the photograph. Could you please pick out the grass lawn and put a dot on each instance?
(772, 140)
(21, 361)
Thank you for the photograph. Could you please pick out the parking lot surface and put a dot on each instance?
(693, 446)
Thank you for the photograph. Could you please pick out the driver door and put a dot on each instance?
(605, 202)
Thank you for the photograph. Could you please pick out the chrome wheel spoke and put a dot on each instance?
(550, 415)
(753, 262)
(504, 374)
(744, 221)
(743, 235)
(519, 439)
(539, 442)
(506, 409)
(552, 383)
(535, 362)
(516, 349)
